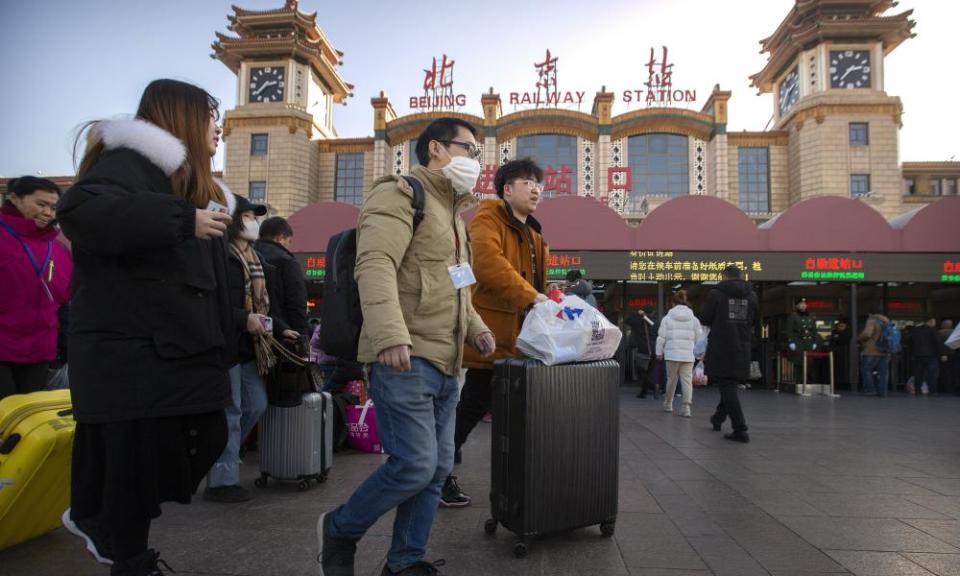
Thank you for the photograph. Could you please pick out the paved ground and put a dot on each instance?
(855, 485)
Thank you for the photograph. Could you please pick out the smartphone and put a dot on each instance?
(216, 207)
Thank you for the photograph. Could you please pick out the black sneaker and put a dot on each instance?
(146, 564)
(452, 496)
(97, 541)
(419, 569)
(336, 555)
(738, 437)
(716, 422)
(232, 494)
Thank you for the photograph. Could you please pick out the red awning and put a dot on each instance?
(582, 223)
(830, 224)
(932, 228)
(698, 223)
(313, 225)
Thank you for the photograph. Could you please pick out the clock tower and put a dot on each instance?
(287, 86)
(825, 70)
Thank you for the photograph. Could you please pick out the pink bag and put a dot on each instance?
(362, 428)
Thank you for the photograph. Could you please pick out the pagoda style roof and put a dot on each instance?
(812, 22)
(282, 32)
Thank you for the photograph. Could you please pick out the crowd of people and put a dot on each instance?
(179, 292)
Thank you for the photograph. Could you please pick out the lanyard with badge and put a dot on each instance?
(37, 267)
(460, 273)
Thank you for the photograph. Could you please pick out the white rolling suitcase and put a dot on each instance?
(296, 443)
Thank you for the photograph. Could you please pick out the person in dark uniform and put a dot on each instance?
(731, 311)
(800, 334)
(643, 335)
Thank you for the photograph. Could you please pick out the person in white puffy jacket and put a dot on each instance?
(678, 334)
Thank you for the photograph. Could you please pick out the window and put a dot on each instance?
(258, 145)
(909, 186)
(412, 154)
(934, 186)
(949, 186)
(754, 172)
(659, 166)
(349, 186)
(552, 152)
(859, 134)
(859, 184)
(258, 192)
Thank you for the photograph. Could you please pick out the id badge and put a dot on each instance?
(462, 275)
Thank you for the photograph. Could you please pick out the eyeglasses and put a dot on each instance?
(472, 150)
(530, 183)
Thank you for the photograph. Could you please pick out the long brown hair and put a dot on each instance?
(183, 110)
(679, 297)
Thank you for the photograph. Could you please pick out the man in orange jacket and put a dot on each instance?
(509, 262)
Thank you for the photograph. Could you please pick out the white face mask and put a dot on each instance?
(251, 230)
(463, 172)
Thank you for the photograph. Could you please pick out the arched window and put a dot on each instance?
(659, 164)
(557, 155)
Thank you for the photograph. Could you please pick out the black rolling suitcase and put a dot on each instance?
(555, 448)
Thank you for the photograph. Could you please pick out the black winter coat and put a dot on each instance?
(150, 311)
(243, 342)
(925, 342)
(291, 287)
(732, 313)
(643, 336)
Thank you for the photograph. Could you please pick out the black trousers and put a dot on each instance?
(475, 401)
(22, 378)
(730, 406)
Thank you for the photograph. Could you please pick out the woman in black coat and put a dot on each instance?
(150, 321)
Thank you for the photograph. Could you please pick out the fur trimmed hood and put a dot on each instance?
(156, 144)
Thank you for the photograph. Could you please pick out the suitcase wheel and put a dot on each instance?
(490, 526)
(303, 485)
(261, 482)
(520, 549)
(607, 528)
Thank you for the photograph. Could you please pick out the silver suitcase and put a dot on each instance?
(296, 443)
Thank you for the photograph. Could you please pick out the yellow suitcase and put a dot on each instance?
(36, 442)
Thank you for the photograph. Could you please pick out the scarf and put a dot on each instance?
(256, 301)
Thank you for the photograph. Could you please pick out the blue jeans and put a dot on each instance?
(880, 364)
(249, 403)
(416, 417)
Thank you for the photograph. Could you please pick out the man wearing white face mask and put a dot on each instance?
(414, 283)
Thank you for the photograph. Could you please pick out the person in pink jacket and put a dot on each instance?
(36, 269)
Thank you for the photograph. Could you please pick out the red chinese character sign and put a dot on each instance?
(438, 91)
(659, 90)
(558, 182)
(485, 183)
(547, 90)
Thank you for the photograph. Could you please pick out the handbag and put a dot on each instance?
(640, 359)
(292, 376)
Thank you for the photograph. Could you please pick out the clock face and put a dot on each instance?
(849, 69)
(266, 84)
(789, 91)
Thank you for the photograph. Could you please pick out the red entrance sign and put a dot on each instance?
(559, 182)
(905, 305)
(641, 302)
(486, 181)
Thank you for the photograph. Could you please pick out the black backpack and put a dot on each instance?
(341, 316)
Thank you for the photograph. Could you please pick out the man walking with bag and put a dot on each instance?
(511, 259)
(414, 282)
(732, 314)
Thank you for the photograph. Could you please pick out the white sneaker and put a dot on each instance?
(667, 407)
(685, 411)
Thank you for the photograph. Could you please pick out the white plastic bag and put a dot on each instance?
(699, 377)
(953, 340)
(569, 331)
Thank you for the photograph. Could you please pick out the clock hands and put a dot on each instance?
(849, 70)
(264, 85)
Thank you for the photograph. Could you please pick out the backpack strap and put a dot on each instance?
(419, 200)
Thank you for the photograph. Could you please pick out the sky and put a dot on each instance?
(66, 62)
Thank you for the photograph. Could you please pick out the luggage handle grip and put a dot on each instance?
(9, 444)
